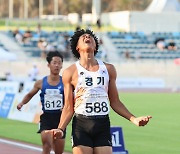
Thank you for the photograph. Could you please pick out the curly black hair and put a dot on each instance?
(52, 54)
(74, 40)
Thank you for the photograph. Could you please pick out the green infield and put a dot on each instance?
(160, 136)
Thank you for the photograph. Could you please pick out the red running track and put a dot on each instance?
(14, 147)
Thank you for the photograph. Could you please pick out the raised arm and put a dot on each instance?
(29, 95)
(117, 105)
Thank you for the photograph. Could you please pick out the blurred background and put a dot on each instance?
(140, 37)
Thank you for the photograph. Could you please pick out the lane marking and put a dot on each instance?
(22, 145)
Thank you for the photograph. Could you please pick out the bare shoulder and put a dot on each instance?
(110, 67)
(69, 72)
(38, 84)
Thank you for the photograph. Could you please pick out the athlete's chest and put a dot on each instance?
(92, 79)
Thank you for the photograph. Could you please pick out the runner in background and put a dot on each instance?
(52, 99)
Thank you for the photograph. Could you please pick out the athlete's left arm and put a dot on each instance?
(116, 103)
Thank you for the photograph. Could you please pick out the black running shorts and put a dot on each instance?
(49, 121)
(91, 131)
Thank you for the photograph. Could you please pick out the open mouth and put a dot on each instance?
(87, 41)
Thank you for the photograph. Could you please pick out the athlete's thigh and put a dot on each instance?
(82, 150)
(80, 133)
(102, 135)
(103, 150)
(58, 146)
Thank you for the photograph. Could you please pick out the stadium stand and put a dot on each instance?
(145, 59)
(35, 44)
(133, 45)
(143, 46)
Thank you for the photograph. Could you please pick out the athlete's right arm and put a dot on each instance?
(68, 109)
(29, 95)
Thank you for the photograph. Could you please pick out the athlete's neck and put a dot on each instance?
(88, 63)
(53, 77)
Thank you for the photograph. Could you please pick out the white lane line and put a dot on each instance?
(22, 145)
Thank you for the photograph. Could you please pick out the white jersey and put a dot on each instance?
(91, 92)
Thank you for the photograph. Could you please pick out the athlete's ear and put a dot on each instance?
(48, 65)
(77, 48)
